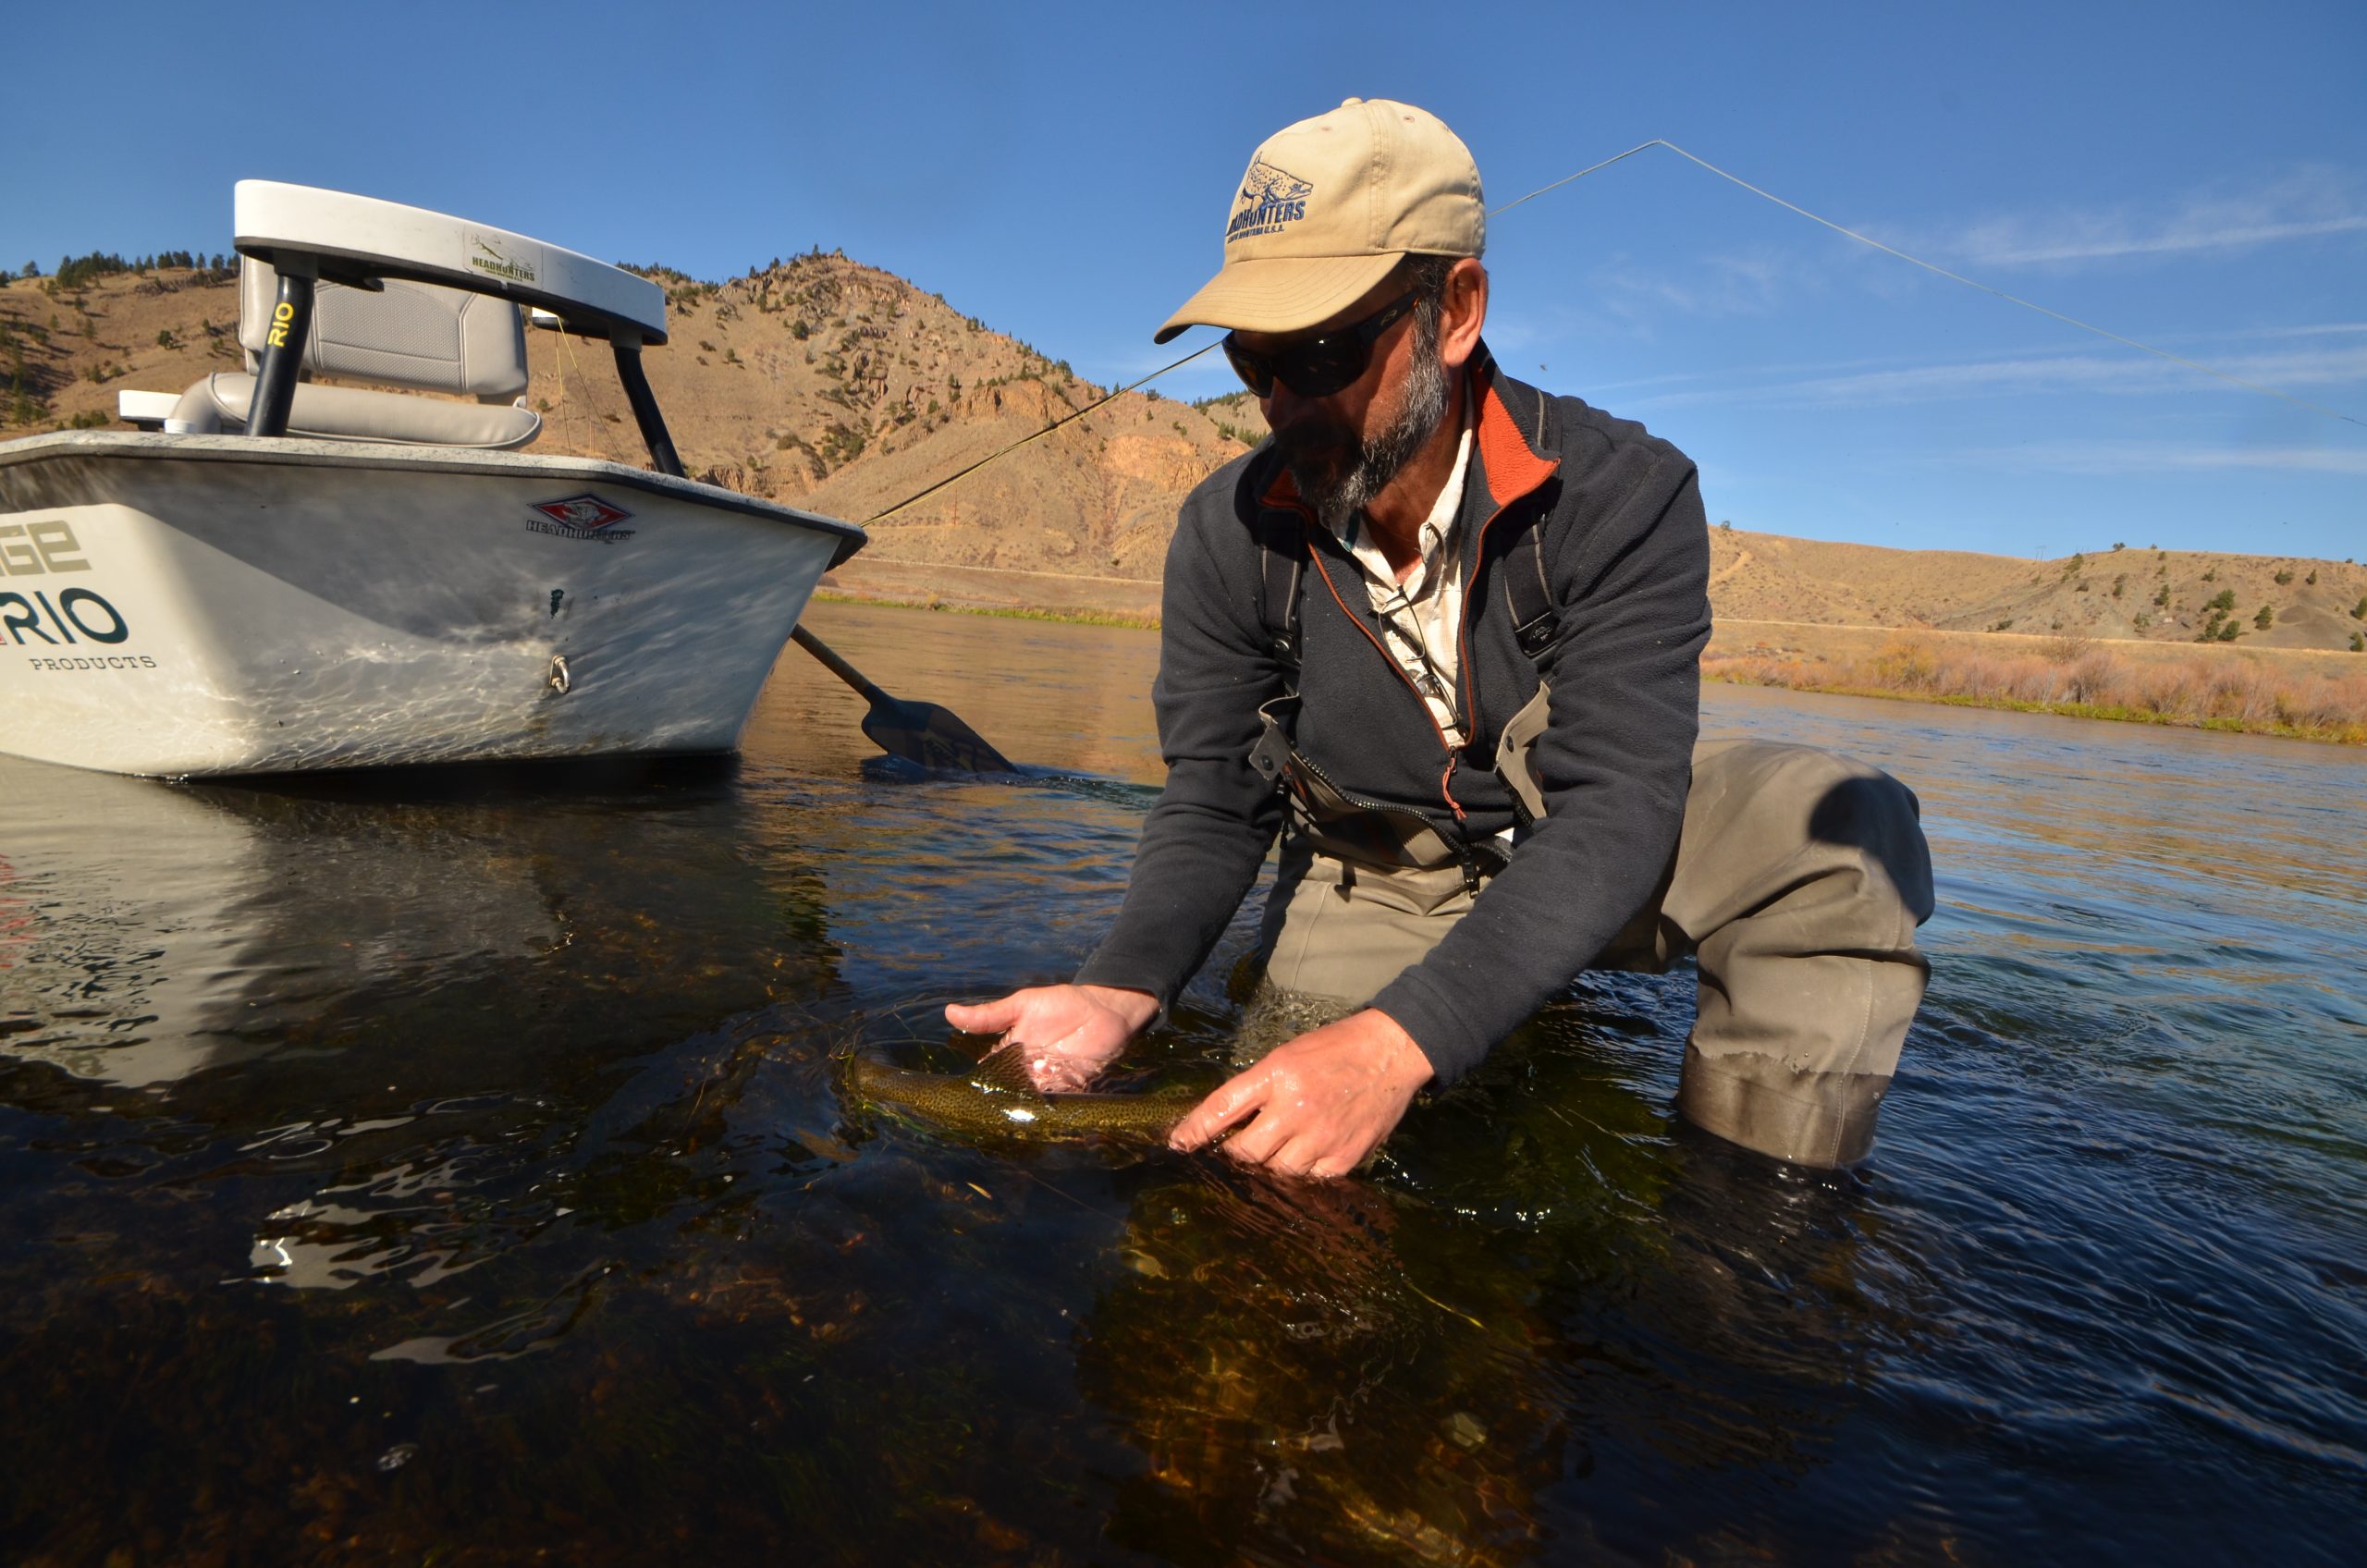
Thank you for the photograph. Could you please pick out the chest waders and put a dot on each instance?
(1330, 819)
(1796, 883)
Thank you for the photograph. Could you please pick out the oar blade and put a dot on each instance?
(927, 735)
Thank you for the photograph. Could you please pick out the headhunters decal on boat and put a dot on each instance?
(487, 258)
(1270, 197)
(581, 517)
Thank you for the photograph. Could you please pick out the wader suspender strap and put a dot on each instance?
(1527, 594)
(1282, 536)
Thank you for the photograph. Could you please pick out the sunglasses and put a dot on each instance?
(1316, 367)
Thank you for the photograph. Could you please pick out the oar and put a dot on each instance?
(918, 732)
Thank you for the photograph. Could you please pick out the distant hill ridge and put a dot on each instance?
(833, 385)
(2125, 592)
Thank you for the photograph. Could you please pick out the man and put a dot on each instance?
(1443, 632)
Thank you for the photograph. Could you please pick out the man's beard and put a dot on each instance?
(1337, 473)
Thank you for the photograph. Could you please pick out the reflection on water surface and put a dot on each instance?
(454, 1167)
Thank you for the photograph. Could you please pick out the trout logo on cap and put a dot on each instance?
(1270, 197)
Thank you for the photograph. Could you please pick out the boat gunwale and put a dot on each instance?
(305, 452)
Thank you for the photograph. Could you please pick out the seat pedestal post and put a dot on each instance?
(283, 355)
(662, 455)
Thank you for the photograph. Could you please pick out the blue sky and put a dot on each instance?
(2190, 176)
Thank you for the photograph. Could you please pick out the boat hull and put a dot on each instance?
(205, 604)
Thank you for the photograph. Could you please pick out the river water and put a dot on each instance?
(452, 1168)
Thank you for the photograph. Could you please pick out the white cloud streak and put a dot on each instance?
(2035, 375)
(2146, 458)
(2313, 204)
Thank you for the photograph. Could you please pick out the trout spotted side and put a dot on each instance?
(995, 1099)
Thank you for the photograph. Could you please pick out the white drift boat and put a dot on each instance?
(289, 576)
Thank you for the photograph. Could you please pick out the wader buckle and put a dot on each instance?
(1480, 861)
(1271, 756)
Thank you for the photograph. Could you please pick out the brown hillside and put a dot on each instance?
(839, 387)
(1769, 577)
(64, 356)
(2139, 595)
(845, 389)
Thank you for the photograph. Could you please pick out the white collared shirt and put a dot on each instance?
(1421, 616)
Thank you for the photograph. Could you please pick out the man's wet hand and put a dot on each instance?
(1065, 1033)
(1317, 1104)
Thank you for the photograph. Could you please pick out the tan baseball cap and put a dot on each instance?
(1326, 209)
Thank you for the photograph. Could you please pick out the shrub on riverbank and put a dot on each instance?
(2073, 676)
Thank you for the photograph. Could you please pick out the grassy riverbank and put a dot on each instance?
(2304, 696)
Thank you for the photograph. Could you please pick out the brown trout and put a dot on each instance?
(995, 1098)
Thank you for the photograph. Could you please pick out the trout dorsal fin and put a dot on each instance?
(1002, 1071)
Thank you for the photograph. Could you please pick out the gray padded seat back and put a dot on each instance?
(412, 335)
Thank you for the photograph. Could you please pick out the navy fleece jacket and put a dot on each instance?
(1627, 552)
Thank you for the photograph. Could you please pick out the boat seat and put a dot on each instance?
(352, 413)
(403, 334)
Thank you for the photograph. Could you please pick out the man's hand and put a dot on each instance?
(1065, 1033)
(1321, 1102)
